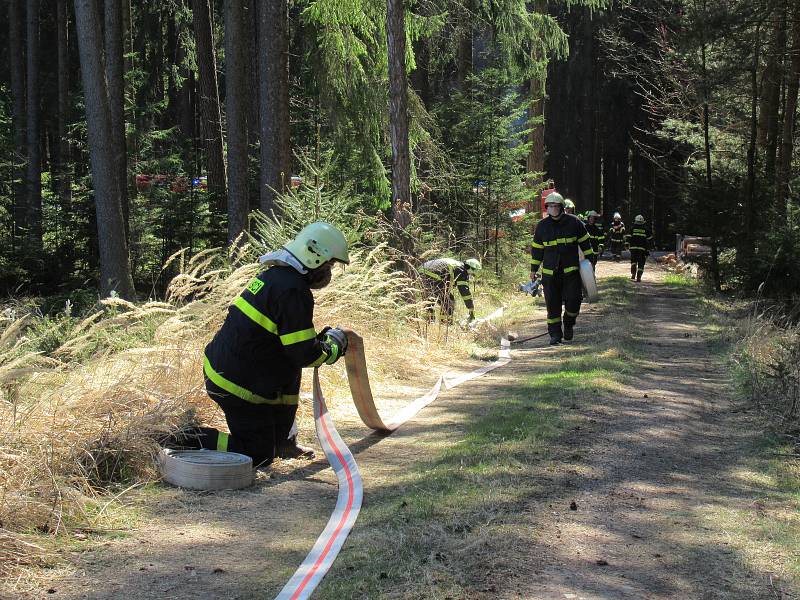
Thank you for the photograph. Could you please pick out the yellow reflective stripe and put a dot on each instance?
(547, 271)
(322, 358)
(467, 297)
(588, 251)
(555, 242)
(584, 238)
(536, 261)
(570, 269)
(287, 339)
(255, 315)
(554, 321)
(430, 274)
(570, 314)
(463, 284)
(537, 245)
(222, 441)
(636, 248)
(235, 389)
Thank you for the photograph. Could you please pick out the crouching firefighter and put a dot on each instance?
(254, 363)
(441, 275)
(555, 249)
(639, 242)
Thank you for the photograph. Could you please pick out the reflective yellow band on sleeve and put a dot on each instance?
(255, 315)
(322, 358)
(537, 245)
(290, 399)
(547, 271)
(222, 441)
(465, 298)
(463, 284)
(570, 269)
(588, 252)
(584, 238)
(287, 339)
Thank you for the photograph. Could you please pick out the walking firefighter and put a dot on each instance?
(253, 365)
(569, 207)
(616, 235)
(596, 236)
(441, 275)
(556, 240)
(639, 242)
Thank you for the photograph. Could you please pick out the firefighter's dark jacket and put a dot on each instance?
(640, 238)
(267, 338)
(555, 245)
(596, 235)
(616, 231)
(450, 272)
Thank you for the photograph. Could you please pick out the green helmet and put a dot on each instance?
(638, 219)
(569, 203)
(318, 243)
(473, 263)
(554, 198)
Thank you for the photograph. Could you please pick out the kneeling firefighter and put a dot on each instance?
(639, 242)
(555, 249)
(441, 275)
(253, 365)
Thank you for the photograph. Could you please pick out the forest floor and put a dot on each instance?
(617, 466)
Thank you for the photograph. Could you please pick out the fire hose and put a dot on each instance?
(351, 490)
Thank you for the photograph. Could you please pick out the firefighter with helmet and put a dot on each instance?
(639, 243)
(254, 363)
(596, 235)
(554, 251)
(616, 235)
(441, 275)
(569, 207)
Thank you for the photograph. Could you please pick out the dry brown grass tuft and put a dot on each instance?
(75, 432)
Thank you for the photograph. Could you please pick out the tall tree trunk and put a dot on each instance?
(16, 60)
(33, 176)
(63, 179)
(586, 195)
(273, 88)
(535, 161)
(115, 76)
(210, 118)
(115, 270)
(236, 106)
(398, 105)
(769, 118)
(789, 115)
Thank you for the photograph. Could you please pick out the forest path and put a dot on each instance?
(646, 469)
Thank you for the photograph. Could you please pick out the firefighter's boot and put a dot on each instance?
(291, 449)
(633, 271)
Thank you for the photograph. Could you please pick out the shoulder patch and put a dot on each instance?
(255, 285)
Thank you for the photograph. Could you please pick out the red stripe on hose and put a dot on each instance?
(324, 553)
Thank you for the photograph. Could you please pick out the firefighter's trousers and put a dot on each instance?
(565, 290)
(441, 293)
(257, 430)
(638, 258)
(616, 249)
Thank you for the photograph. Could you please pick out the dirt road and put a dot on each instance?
(646, 470)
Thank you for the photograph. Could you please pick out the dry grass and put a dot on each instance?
(79, 424)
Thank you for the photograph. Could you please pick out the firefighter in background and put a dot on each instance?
(596, 235)
(441, 275)
(569, 207)
(556, 240)
(639, 242)
(616, 235)
(253, 365)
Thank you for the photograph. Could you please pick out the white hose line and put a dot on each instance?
(348, 505)
(351, 489)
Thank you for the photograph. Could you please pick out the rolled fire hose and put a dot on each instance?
(589, 281)
(351, 491)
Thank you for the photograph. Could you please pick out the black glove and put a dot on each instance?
(336, 339)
